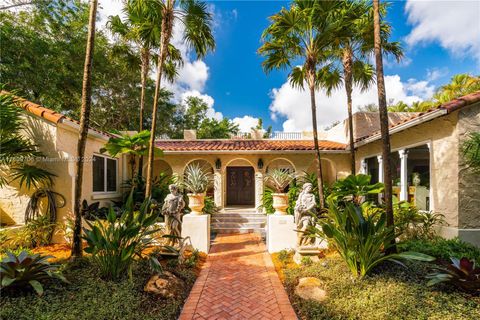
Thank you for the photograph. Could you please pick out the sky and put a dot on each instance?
(440, 39)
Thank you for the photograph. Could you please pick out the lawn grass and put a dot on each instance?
(89, 297)
(391, 292)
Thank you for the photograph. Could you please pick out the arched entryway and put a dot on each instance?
(240, 183)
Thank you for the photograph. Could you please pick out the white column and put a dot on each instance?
(218, 188)
(403, 175)
(430, 168)
(363, 166)
(258, 190)
(380, 168)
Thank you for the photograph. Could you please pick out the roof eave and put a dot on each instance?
(250, 151)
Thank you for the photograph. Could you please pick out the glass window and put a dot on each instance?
(111, 175)
(104, 174)
(98, 174)
(418, 168)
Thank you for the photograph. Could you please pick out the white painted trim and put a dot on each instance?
(72, 126)
(117, 182)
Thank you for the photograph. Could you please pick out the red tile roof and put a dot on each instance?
(449, 107)
(48, 114)
(246, 145)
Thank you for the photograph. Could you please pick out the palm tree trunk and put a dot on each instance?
(382, 109)
(145, 57)
(347, 70)
(167, 26)
(317, 148)
(83, 132)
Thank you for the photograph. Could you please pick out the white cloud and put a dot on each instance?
(436, 73)
(294, 104)
(246, 123)
(211, 113)
(453, 24)
(193, 75)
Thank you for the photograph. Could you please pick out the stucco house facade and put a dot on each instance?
(428, 168)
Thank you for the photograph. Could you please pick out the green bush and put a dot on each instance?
(361, 238)
(37, 232)
(114, 243)
(26, 270)
(355, 188)
(210, 207)
(442, 248)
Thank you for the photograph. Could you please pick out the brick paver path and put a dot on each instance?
(238, 281)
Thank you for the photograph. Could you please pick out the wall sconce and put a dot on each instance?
(218, 164)
(260, 164)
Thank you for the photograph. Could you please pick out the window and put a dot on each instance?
(104, 174)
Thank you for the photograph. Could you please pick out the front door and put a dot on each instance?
(240, 186)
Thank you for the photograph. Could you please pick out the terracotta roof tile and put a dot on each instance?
(48, 114)
(246, 145)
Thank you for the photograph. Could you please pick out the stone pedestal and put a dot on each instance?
(310, 252)
(197, 227)
(281, 234)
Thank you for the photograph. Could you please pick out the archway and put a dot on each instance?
(207, 167)
(282, 164)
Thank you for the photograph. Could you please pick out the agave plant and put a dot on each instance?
(362, 239)
(461, 272)
(24, 269)
(196, 179)
(279, 179)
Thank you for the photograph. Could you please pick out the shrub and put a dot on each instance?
(37, 232)
(411, 223)
(114, 243)
(23, 270)
(210, 207)
(442, 248)
(137, 184)
(355, 188)
(461, 273)
(360, 238)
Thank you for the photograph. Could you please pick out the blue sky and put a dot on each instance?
(440, 39)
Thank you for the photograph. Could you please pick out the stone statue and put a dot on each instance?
(303, 218)
(172, 211)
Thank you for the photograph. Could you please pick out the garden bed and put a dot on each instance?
(391, 292)
(88, 296)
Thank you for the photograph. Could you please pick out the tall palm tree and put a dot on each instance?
(460, 85)
(302, 34)
(84, 123)
(197, 33)
(142, 29)
(382, 110)
(352, 48)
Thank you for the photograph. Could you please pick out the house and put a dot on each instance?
(428, 168)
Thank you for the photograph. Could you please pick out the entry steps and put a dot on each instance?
(238, 221)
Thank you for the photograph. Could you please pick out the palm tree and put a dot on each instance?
(84, 123)
(197, 33)
(142, 29)
(460, 85)
(352, 48)
(134, 145)
(303, 33)
(382, 110)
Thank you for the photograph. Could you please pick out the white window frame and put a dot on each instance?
(105, 175)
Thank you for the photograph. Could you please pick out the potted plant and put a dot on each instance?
(278, 180)
(196, 181)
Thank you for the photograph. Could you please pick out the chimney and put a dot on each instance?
(190, 134)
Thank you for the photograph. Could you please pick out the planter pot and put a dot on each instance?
(196, 202)
(280, 203)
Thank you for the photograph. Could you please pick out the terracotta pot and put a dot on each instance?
(280, 203)
(196, 202)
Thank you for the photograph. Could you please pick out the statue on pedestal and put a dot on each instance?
(172, 210)
(304, 219)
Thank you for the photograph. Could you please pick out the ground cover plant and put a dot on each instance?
(389, 292)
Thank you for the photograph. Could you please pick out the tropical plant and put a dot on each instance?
(83, 130)
(137, 184)
(23, 270)
(135, 145)
(197, 33)
(460, 85)
(267, 200)
(355, 188)
(34, 233)
(115, 243)
(196, 179)
(279, 179)
(302, 34)
(352, 49)
(461, 272)
(471, 151)
(361, 239)
(210, 207)
(383, 112)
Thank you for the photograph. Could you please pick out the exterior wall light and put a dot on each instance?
(260, 164)
(218, 164)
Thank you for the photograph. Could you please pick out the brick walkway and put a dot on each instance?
(238, 281)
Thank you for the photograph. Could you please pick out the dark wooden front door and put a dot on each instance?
(240, 186)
